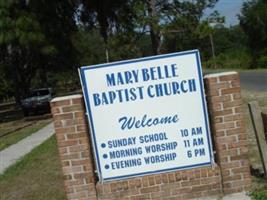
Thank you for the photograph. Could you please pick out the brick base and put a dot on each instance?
(186, 184)
(230, 175)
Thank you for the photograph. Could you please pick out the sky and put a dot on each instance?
(229, 9)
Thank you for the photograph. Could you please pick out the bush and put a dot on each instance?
(261, 61)
(237, 59)
(65, 82)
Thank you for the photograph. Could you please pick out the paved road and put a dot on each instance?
(256, 81)
(13, 153)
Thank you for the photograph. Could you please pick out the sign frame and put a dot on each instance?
(92, 133)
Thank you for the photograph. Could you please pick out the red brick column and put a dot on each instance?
(228, 130)
(74, 149)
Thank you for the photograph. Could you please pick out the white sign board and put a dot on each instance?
(147, 115)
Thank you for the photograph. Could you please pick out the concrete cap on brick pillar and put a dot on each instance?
(220, 74)
(75, 96)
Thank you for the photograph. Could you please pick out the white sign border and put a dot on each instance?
(90, 117)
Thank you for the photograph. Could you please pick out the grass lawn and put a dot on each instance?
(259, 189)
(18, 135)
(36, 177)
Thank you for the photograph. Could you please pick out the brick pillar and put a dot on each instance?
(228, 130)
(74, 148)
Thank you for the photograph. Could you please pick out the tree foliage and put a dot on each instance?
(107, 15)
(173, 18)
(20, 38)
(253, 20)
(153, 17)
(34, 35)
(39, 40)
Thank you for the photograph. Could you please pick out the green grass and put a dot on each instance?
(16, 136)
(36, 177)
(259, 189)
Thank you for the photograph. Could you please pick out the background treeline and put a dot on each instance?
(42, 43)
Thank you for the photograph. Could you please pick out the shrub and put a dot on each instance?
(239, 59)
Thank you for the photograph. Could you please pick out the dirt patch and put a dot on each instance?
(261, 98)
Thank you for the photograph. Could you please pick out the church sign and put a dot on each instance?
(147, 115)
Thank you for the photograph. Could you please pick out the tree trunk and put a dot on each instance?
(16, 84)
(43, 75)
(153, 26)
(21, 76)
(13, 64)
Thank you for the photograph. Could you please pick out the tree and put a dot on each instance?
(108, 15)
(154, 27)
(253, 20)
(32, 37)
(58, 24)
(6, 89)
(90, 47)
(20, 37)
(155, 17)
(174, 17)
